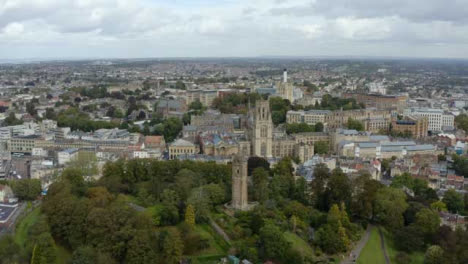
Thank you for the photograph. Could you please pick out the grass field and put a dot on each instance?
(21, 231)
(416, 257)
(215, 247)
(372, 251)
(218, 247)
(299, 244)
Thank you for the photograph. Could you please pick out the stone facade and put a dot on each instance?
(418, 126)
(262, 134)
(239, 183)
(385, 102)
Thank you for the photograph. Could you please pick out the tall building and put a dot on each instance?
(285, 89)
(262, 137)
(239, 183)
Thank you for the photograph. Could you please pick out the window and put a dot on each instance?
(263, 131)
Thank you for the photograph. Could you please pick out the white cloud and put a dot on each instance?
(125, 28)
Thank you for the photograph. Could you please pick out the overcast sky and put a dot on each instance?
(232, 28)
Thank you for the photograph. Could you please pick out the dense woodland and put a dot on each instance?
(107, 221)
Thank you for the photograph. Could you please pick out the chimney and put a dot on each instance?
(285, 76)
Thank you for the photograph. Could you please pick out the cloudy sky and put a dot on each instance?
(232, 28)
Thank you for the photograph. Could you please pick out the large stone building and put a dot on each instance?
(310, 117)
(239, 183)
(438, 119)
(182, 147)
(415, 125)
(264, 144)
(373, 119)
(384, 102)
(206, 97)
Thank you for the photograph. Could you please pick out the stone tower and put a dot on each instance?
(239, 183)
(262, 137)
(284, 89)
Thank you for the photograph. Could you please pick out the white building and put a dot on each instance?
(39, 152)
(140, 154)
(438, 119)
(67, 155)
(310, 117)
(378, 88)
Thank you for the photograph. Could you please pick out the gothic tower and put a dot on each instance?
(239, 183)
(262, 137)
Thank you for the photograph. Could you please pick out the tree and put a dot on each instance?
(428, 221)
(318, 189)
(409, 238)
(461, 121)
(339, 188)
(26, 189)
(11, 120)
(365, 191)
(190, 215)
(321, 147)
(172, 246)
(439, 206)
(86, 162)
(9, 250)
(355, 124)
(319, 127)
(75, 178)
(44, 250)
(260, 184)
(180, 85)
(171, 128)
(460, 165)
(332, 237)
(256, 162)
(454, 201)
(299, 128)
(31, 109)
(434, 255)
(390, 203)
(141, 249)
(84, 255)
(50, 114)
(279, 107)
(273, 244)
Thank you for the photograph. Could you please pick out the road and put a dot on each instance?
(10, 227)
(354, 254)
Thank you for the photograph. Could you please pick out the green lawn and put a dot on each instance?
(372, 251)
(299, 244)
(21, 231)
(416, 257)
(218, 247)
